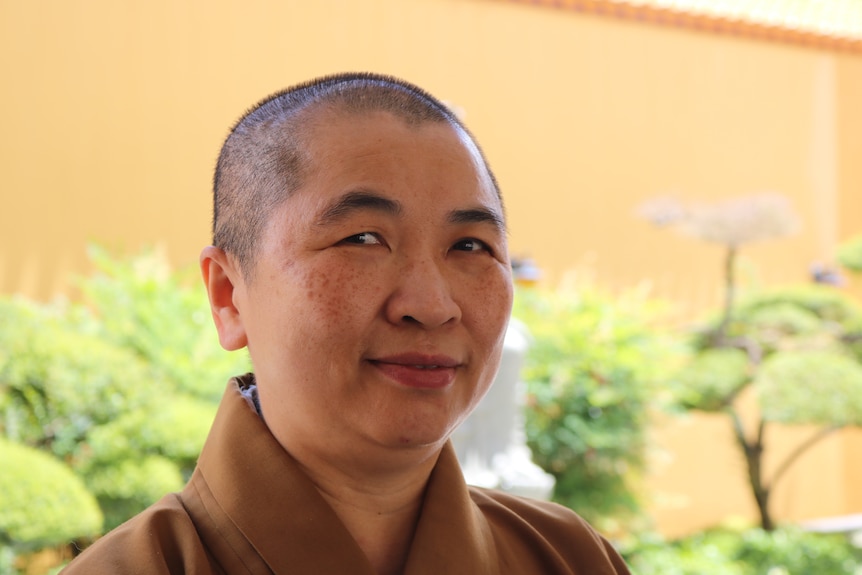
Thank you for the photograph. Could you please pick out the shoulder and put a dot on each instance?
(550, 519)
(160, 540)
(555, 529)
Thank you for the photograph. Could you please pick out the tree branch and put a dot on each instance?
(800, 449)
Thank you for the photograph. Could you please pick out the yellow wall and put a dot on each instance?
(112, 114)
(698, 477)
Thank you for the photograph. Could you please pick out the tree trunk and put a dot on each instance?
(720, 334)
(753, 450)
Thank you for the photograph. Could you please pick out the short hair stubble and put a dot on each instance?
(263, 159)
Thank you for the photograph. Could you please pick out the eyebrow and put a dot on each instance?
(357, 200)
(481, 215)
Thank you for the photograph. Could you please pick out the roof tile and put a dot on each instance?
(834, 24)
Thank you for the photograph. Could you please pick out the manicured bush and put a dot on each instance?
(175, 430)
(42, 501)
(822, 387)
(57, 383)
(593, 373)
(800, 350)
(783, 551)
(132, 461)
(121, 386)
(125, 487)
(802, 346)
(850, 254)
(163, 317)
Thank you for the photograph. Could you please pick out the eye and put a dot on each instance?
(363, 239)
(471, 245)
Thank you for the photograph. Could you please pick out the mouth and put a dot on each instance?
(418, 371)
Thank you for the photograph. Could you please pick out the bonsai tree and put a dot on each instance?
(798, 349)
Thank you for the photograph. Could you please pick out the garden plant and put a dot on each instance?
(798, 348)
(105, 395)
(593, 375)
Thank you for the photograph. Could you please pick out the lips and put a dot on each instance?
(418, 370)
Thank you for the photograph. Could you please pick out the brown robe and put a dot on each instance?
(248, 508)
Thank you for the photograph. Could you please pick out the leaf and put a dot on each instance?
(43, 501)
(819, 387)
(712, 378)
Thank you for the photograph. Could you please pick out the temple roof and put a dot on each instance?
(834, 24)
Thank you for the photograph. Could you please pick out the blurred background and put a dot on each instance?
(604, 121)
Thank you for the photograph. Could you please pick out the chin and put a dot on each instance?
(417, 438)
(419, 425)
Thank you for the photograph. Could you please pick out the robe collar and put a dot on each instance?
(276, 512)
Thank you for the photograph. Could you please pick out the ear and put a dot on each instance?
(224, 282)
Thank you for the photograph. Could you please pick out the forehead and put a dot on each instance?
(429, 176)
(336, 140)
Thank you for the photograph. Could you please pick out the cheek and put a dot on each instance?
(336, 296)
(489, 308)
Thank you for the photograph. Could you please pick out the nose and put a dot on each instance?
(423, 296)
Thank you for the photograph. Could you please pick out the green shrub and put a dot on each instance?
(786, 551)
(790, 551)
(131, 462)
(56, 383)
(808, 316)
(850, 254)
(122, 386)
(175, 430)
(164, 318)
(126, 487)
(811, 386)
(712, 377)
(800, 351)
(7, 560)
(43, 502)
(593, 372)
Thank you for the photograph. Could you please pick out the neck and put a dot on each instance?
(379, 504)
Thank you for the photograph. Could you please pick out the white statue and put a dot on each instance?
(491, 444)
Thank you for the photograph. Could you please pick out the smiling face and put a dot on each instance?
(376, 311)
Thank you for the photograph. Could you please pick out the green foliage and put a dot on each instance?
(125, 487)
(7, 560)
(57, 383)
(790, 551)
(802, 347)
(837, 314)
(712, 378)
(121, 387)
(709, 553)
(592, 372)
(62, 387)
(132, 461)
(850, 254)
(772, 325)
(163, 317)
(784, 551)
(811, 386)
(43, 502)
(175, 430)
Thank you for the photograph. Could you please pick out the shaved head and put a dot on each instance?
(265, 159)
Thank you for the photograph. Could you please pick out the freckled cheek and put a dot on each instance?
(487, 310)
(338, 296)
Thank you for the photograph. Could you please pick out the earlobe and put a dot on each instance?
(222, 279)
